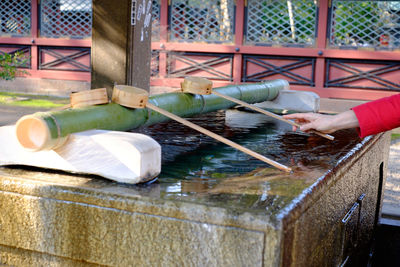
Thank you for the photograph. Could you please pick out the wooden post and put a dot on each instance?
(239, 39)
(121, 51)
(139, 54)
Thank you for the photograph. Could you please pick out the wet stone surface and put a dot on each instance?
(198, 169)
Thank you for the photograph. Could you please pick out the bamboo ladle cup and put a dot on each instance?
(202, 86)
(134, 97)
(89, 98)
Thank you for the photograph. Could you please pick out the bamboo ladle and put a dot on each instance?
(202, 86)
(134, 97)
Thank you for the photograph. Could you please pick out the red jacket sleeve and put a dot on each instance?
(379, 115)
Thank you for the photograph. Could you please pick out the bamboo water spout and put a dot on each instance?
(47, 130)
(202, 86)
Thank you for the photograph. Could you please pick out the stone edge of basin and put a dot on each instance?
(298, 205)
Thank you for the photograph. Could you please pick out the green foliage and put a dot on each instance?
(357, 22)
(9, 64)
(282, 25)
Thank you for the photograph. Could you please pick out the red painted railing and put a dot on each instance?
(36, 44)
(327, 79)
(360, 73)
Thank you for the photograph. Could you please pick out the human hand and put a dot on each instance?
(313, 121)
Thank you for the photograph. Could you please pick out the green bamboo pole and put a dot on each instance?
(59, 124)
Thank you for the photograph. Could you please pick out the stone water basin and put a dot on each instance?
(211, 205)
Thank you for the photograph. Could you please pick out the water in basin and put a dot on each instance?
(198, 169)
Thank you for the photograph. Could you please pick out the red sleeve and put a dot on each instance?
(379, 115)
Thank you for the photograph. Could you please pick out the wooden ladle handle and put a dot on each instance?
(219, 138)
(273, 115)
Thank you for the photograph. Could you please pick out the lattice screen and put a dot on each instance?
(15, 18)
(66, 18)
(155, 15)
(373, 24)
(281, 22)
(202, 21)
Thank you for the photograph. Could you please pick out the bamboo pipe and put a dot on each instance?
(202, 86)
(48, 130)
(133, 97)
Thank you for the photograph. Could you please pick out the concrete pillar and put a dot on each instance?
(121, 38)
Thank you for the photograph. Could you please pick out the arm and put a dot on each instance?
(372, 118)
(379, 115)
(325, 123)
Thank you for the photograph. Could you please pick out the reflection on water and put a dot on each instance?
(199, 169)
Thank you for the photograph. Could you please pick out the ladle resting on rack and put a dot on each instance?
(138, 98)
(202, 86)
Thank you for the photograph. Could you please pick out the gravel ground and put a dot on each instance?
(10, 114)
(391, 200)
